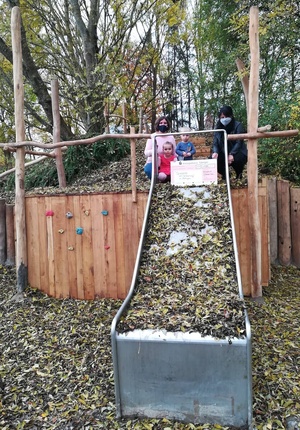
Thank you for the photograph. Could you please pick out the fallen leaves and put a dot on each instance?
(68, 342)
(187, 279)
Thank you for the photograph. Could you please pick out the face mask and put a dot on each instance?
(225, 121)
(163, 128)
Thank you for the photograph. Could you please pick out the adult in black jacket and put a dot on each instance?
(237, 150)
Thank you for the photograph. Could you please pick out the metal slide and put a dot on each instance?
(173, 358)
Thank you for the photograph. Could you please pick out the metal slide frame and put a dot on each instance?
(180, 376)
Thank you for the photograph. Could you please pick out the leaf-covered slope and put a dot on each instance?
(187, 279)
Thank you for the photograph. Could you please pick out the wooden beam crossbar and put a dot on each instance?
(91, 140)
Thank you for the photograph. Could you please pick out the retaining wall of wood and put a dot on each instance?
(84, 246)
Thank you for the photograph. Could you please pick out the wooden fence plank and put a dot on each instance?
(284, 223)
(50, 247)
(10, 236)
(41, 241)
(240, 213)
(78, 247)
(265, 241)
(71, 247)
(2, 231)
(98, 245)
(295, 225)
(109, 246)
(33, 247)
(121, 245)
(273, 219)
(133, 232)
(61, 271)
(87, 248)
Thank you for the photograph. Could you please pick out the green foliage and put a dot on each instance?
(77, 161)
(280, 157)
(80, 159)
(40, 175)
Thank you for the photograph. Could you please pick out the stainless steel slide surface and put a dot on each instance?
(181, 341)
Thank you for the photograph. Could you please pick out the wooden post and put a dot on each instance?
(2, 232)
(21, 248)
(124, 117)
(245, 80)
(10, 236)
(56, 133)
(106, 117)
(141, 121)
(133, 164)
(254, 222)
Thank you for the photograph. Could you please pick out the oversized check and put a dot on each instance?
(194, 172)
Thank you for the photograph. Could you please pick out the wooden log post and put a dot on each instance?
(21, 246)
(141, 122)
(106, 117)
(244, 79)
(2, 232)
(295, 225)
(10, 235)
(133, 165)
(56, 133)
(254, 222)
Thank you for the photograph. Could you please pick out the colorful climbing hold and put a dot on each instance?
(69, 215)
(79, 230)
(61, 231)
(49, 213)
(104, 213)
(106, 246)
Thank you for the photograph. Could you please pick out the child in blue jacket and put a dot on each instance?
(185, 148)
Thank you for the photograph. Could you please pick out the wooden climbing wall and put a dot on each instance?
(83, 246)
(99, 262)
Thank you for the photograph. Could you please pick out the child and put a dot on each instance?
(165, 159)
(185, 148)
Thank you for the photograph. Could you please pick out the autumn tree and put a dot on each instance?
(87, 46)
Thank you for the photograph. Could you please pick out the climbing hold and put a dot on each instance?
(86, 213)
(104, 213)
(79, 230)
(69, 215)
(70, 248)
(61, 231)
(49, 213)
(106, 246)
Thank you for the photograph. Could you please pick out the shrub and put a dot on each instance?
(280, 157)
(78, 160)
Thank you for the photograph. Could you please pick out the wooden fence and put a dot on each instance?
(84, 246)
(284, 214)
